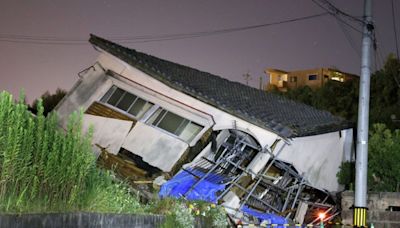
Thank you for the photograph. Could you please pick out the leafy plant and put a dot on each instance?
(346, 174)
(44, 168)
(383, 161)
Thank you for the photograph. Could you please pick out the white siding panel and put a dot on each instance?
(108, 133)
(157, 148)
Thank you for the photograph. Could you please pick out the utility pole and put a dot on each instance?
(360, 198)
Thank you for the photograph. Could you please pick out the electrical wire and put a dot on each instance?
(349, 39)
(341, 12)
(335, 14)
(52, 40)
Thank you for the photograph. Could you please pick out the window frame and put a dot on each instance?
(176, 133)
(140, 115)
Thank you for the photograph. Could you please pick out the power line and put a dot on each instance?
(335, 13)
(349, 39)
(52, 40)
(341, 12)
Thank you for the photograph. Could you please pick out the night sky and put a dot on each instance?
(31, 59)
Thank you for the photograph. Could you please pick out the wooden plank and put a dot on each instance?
(126, 169)
(99, 109)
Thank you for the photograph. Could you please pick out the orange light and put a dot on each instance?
(321, 215)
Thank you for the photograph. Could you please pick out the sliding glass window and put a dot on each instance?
(126, 102)
(175, 124)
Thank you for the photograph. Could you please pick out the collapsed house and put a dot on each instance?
(154, 119)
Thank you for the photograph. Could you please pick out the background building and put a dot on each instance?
(313, 78)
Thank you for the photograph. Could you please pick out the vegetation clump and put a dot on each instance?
(45, 169)
(181, 213)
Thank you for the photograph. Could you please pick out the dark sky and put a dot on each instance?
(38, 66)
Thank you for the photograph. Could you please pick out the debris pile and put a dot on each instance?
(276, 193)
(224, 177)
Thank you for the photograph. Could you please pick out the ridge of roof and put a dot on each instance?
(285, 117)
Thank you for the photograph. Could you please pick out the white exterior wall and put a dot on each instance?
(159, 150)
(102, 127)
(319, 157)
(87, 90)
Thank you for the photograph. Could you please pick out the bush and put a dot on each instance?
(383, 161)
(346, 174)
(182, 213)
(43, 168)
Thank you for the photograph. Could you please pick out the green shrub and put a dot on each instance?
(182, 213)
(44, 168)
(383, 161)
(346, 175)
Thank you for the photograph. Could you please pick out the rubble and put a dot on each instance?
(223, 176)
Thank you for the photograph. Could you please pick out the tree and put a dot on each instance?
(49, 101)
(385, 94)
(304, 94)
(384, 159)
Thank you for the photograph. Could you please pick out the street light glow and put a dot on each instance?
(321, 215)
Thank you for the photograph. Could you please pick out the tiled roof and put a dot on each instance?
(285, 117)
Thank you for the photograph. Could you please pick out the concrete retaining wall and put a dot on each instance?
(379, 205)
(78, 220)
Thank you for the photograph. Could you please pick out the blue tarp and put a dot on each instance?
(266, 217)
(205, 190)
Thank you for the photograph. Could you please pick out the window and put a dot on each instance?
(312, 77)
(126, 102)
(175, 124)
(293, 79)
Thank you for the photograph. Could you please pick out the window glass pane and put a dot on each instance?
(190, 131)
(108, 94)
(126, 101)
(155, 118)
(170, 122)
(312, 77)
(137, 106)
(182, 126)
(115, 97)
(145, 108)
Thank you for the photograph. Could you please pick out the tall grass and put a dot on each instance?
(43, 168)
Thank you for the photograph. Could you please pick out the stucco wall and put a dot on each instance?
(107, 132)
(157, 149)
(319, 157)
(86, 90)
